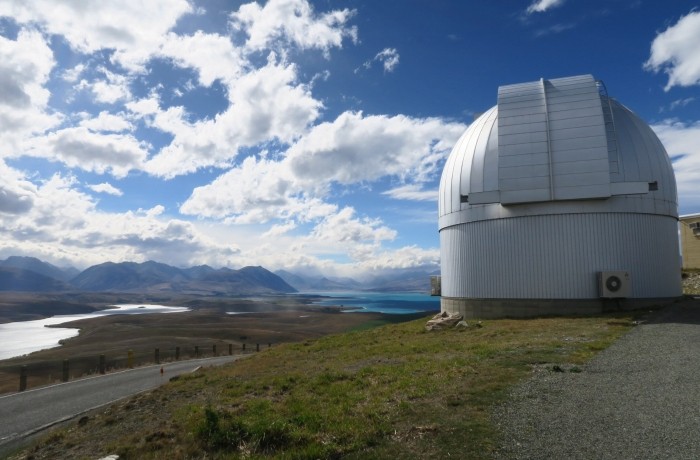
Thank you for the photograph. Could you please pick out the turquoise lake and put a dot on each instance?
(399, 303)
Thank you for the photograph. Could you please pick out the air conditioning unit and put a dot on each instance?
(614, 284)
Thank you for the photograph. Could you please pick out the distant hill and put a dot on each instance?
(157, 277)
(37, 266)
(399, 281)
(18, 279)
(403, 281)
(320, 283)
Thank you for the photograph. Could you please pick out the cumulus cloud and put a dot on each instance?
(351, 150)
(255, 191)
(682, 142)
(213, 56)
(110, 89)
(540, 6)
(106, 122)
(292, 21)
(265, 104)
(132, 29)
(25, 65)
(356, 148)
(97, 152)
(676, 52)
(105, 187)
(345, 227)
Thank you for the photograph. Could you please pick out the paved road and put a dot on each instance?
(23, 414)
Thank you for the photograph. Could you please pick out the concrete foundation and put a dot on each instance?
(530, 308)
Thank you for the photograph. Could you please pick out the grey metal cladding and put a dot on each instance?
(569, 128)
(523, 258)
(577, 146)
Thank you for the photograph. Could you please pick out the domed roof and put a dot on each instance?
(556, 146)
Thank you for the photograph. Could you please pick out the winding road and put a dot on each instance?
(24, 414)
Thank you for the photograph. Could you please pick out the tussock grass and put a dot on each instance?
(389, 392)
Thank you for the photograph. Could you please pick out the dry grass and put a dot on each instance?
(691, 282)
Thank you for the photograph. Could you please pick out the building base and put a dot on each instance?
(529, 308)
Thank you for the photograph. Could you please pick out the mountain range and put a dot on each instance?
(31, 274)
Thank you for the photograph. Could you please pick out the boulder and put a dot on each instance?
(442, 321)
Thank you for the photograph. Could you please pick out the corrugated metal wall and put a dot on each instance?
(559, 256)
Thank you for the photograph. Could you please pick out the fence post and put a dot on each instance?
(213, 349)
(177, 353)
(230, 349)
(269, 345)
(130, 359)
(257, 347)
(102, 364)
(66, 370)
(244, 347)
(23, 378)
(157, 355)
(196, 351)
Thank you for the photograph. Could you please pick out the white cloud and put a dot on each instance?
(111, 89)
(256, 191)
(107, 122)
(682, 142)
(345, 228)
(72, 75)
(389, 58)
(213, 56)
(412, 192)
(265, 104)
(81, 148)
(133, 29)
(105, 187)
(292, 21)
(676, 51)
(279, 229)
(403, 258)
(16, 193)
(25, 65)
(681, 102)
(540, 6)
(355, 148)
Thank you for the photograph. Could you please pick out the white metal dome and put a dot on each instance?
(552, 185)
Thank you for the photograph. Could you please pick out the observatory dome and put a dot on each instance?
(548, 194)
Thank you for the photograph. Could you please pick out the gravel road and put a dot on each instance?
(638, 399)
(22, 414)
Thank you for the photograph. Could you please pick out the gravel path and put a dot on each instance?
(639, 399)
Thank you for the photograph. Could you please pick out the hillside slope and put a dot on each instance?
(388, 392)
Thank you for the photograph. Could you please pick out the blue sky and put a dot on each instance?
(295, 134)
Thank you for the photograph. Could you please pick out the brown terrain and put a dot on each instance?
(266, 323)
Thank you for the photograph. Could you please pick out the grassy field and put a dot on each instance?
(393, 391)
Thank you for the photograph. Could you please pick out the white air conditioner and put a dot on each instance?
(614, 284)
